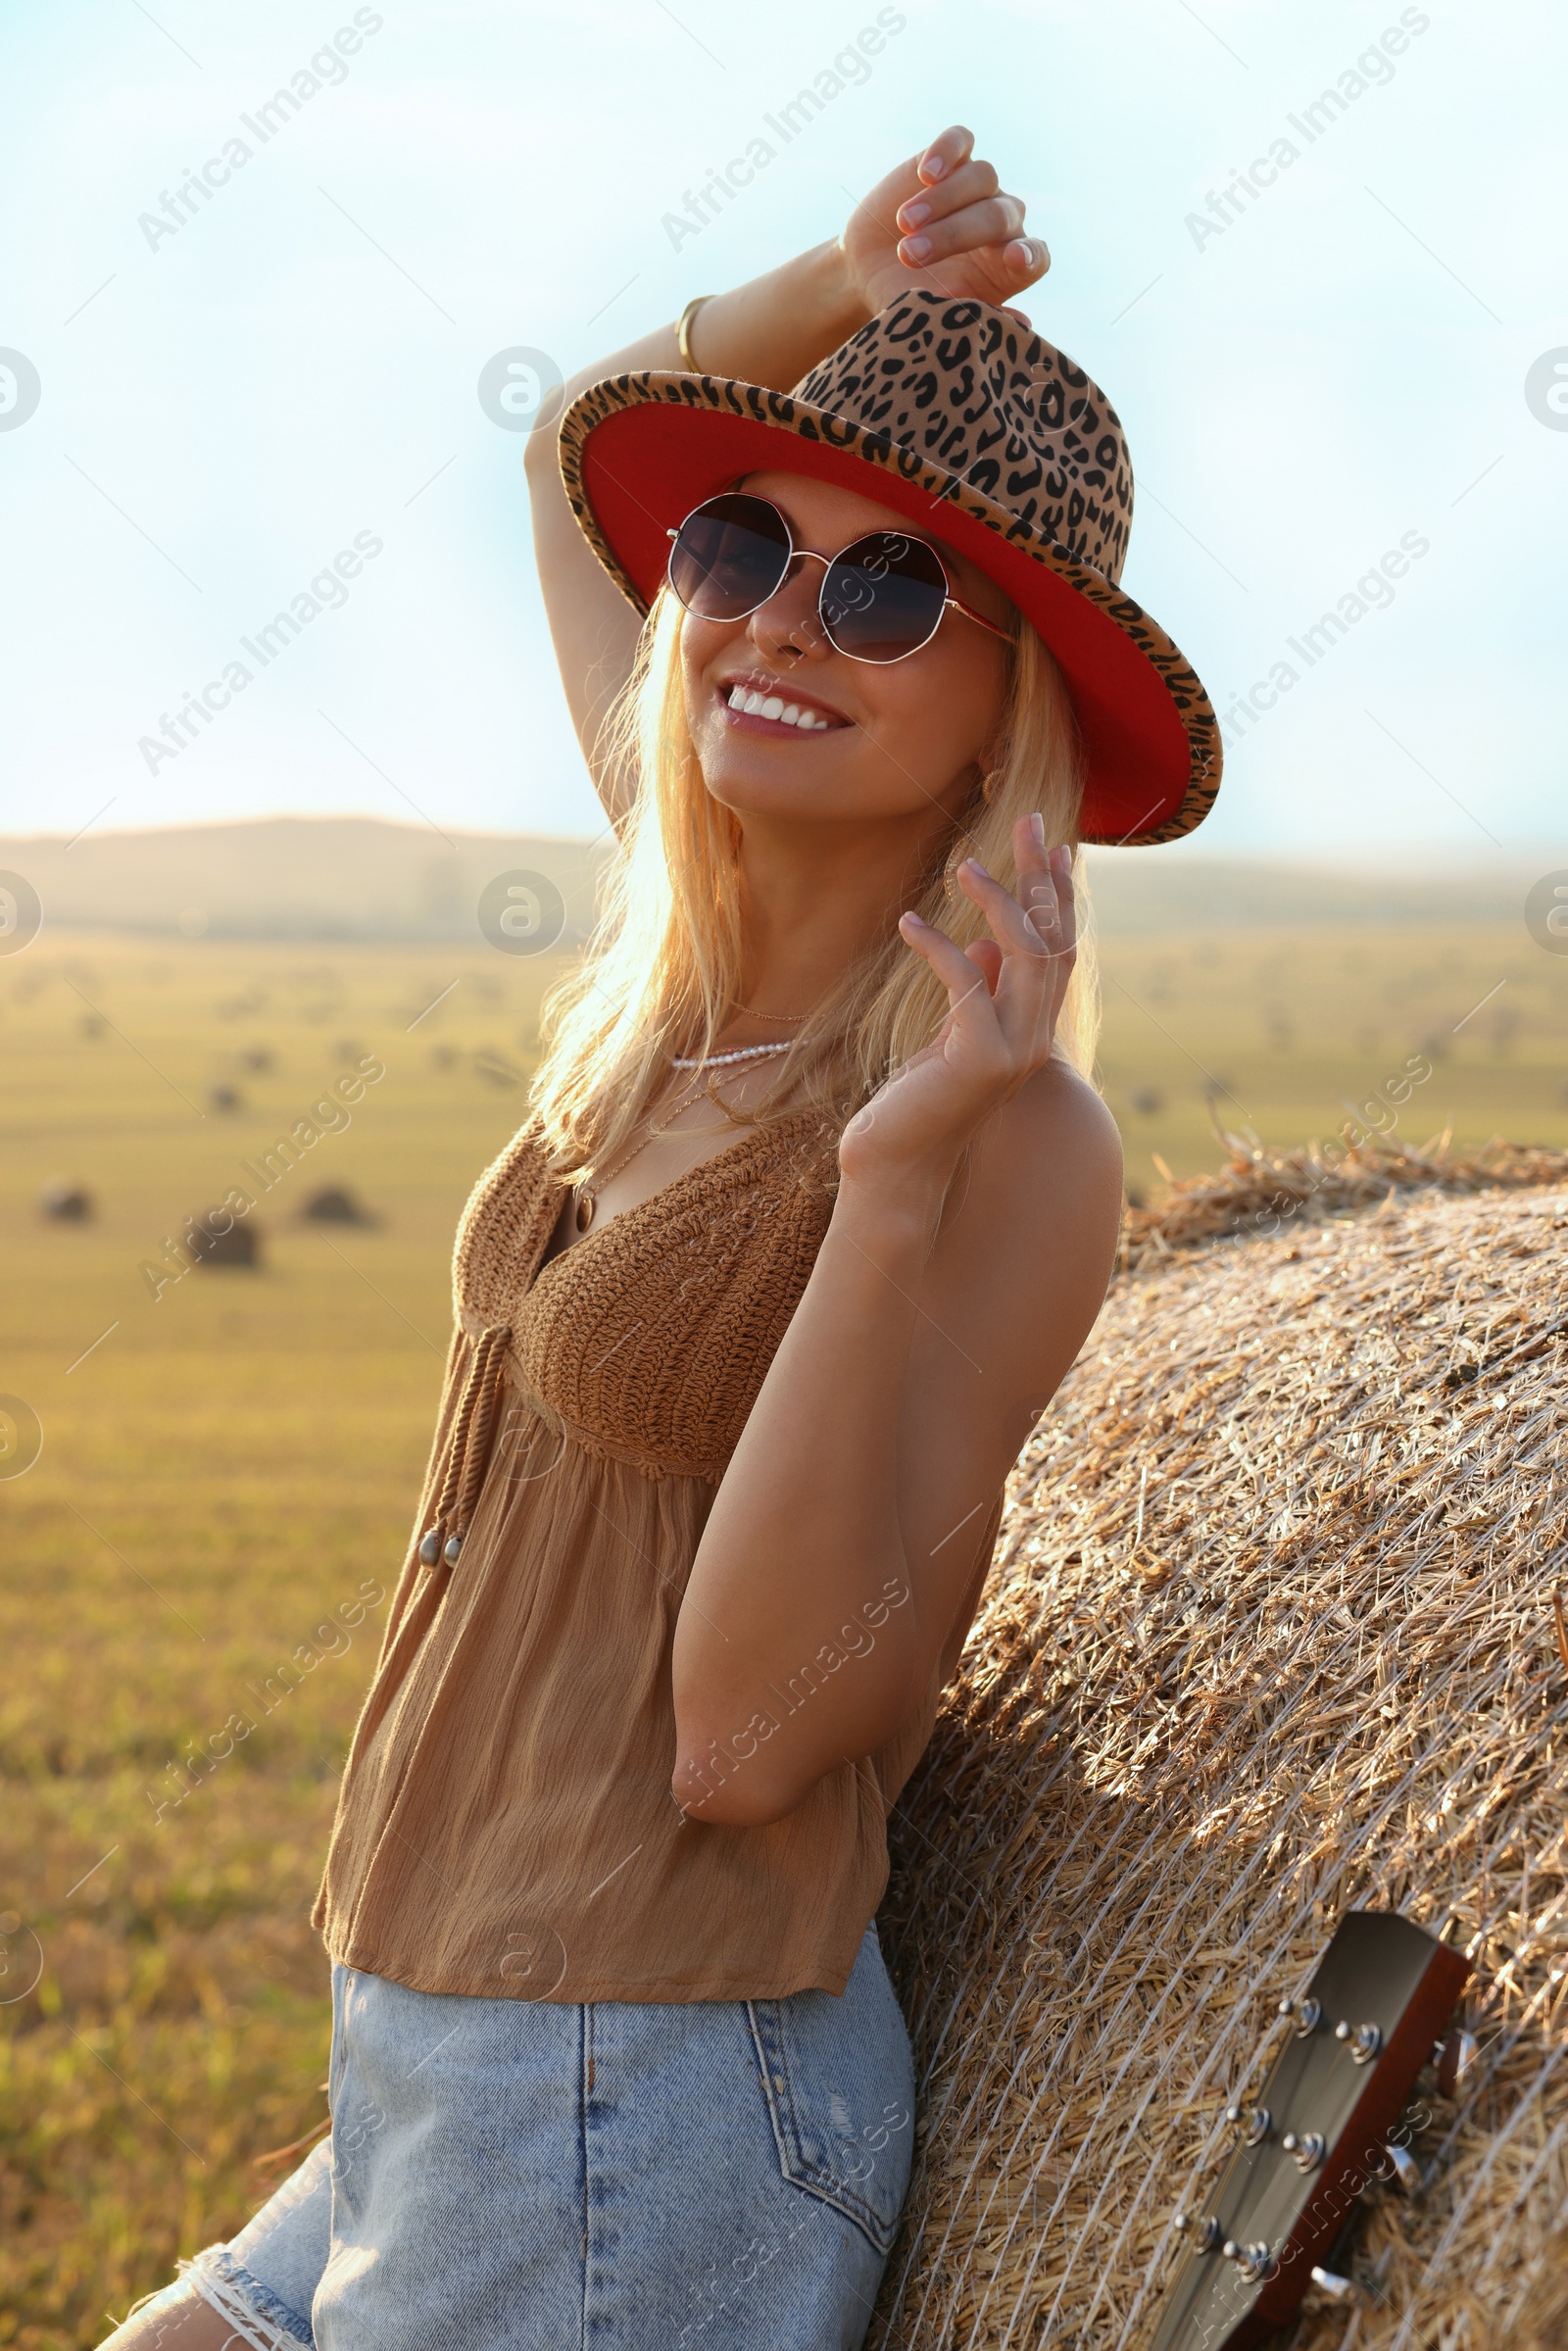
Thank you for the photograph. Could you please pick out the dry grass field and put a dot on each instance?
(228, 1466)
(1296, 1032)
(221, 1478)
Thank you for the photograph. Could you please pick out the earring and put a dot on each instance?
(962, 846)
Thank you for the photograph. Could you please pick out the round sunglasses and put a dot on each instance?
(881, 598)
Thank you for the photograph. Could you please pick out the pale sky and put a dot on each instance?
(1343, 370)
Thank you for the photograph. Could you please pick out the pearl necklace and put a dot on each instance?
(742, 1053)
(587, 1199)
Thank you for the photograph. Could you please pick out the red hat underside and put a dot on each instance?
(645, 467)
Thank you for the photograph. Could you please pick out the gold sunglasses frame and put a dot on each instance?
(827, 562)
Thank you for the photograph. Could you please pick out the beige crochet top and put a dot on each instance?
(506, 1825)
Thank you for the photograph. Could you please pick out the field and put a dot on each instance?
(229, 1459)
(1294, 1033)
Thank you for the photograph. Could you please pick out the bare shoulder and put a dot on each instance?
(1040, 1198)
(1024, 1257)
(1060, 1107)
(1055, 1144)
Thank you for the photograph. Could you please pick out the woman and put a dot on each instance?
(814, 1208)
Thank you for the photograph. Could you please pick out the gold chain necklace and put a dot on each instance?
(586, 1204)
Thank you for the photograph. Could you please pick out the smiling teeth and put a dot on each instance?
(773, 706)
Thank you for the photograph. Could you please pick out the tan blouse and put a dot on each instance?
(506, 1825)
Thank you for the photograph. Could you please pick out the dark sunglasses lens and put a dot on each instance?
(729, 556)
(883, 597)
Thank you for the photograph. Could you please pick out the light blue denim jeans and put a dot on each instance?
(521, 2175)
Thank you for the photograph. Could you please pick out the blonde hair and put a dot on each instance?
(662, 970)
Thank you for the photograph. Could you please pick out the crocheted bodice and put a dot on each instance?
(650, 1338)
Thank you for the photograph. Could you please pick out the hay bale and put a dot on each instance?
(1542, 2321)
(336, 1203)
(66, 1202)
(225, 1242)
(1271, 1634)
(1261, 1191)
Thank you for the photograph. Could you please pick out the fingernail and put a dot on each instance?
(1037, 828)
(933, 167)
(973, 866)
(915, 249)
(910, 916)
(911, 216)
(1025, 252)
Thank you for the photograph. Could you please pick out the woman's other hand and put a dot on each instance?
(1004, 998)
(941, 220)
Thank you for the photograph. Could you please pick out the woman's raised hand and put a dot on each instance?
(1004, 998)
(941, 221)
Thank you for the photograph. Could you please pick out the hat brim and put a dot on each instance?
(638, 452)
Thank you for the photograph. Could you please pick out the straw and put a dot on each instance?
(1261, 1191)
(1272, 1634)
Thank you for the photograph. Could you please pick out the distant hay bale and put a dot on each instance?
(1271, 1634)
(336, 1203)
(225, 1242)
(66, 1202)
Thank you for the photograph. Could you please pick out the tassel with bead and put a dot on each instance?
(468, 1456)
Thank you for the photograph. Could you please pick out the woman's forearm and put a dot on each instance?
(802, 1625)
(772, 329)
(769, 330)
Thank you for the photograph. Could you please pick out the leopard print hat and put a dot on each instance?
(990, 438)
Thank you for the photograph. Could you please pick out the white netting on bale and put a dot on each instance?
(1271, 1634)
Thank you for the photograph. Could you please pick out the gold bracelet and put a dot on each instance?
(683, 332)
